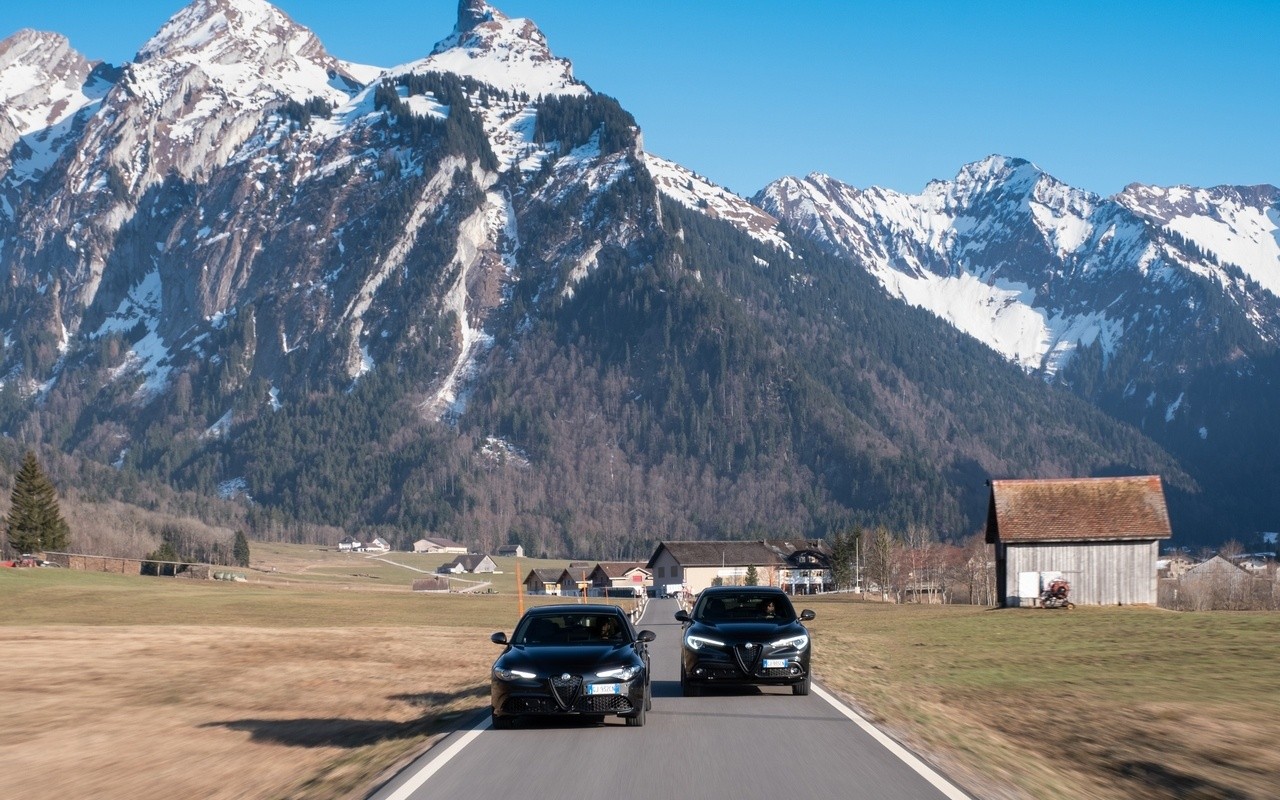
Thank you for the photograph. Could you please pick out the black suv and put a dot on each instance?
(744, 635)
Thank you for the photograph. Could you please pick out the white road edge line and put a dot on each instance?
(906, 756)
(406, 790)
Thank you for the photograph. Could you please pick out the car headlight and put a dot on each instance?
(512, 674)
(698, 642)
(798, 642)
(621, 673)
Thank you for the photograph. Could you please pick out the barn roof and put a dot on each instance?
(1078, 509)
(469, 562)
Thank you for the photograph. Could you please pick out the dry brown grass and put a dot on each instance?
(171, 688)
(125, 688)
(1092, 703)
(307, 681)
(225, 712)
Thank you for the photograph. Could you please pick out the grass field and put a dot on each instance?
(314, 676)
(1094, 702)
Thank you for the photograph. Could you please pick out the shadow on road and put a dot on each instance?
(356, 732)
(672, 689)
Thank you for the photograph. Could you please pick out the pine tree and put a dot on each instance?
(35, 523)
(753, 577)
(240, 550)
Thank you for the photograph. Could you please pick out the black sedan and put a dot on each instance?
(572, 660)
(744, 635)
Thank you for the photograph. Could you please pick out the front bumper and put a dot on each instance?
(745, 664)
(572, 696)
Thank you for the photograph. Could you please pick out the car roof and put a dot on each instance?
(574, 608)
(714, 590)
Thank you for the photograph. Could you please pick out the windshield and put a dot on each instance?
(562, 629)
(753, 607)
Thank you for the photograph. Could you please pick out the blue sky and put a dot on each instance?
(889, 94)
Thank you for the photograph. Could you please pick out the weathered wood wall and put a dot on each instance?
(1100, 573)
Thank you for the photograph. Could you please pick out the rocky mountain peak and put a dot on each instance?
(230, 31)
(39, 74)
(472, 13)
(501, 51)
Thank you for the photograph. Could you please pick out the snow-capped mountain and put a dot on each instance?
(237, 169)
(47, 90)
(1159, 305)
(1035, 268)
(219, 248)
(510, 54)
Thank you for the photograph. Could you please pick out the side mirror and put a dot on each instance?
(807, 615)
(498, 638)
(646, 636)
(683, 616)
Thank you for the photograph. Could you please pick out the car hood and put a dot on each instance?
(731, 632)
(547, 659)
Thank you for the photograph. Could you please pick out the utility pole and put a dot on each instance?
(519, 588)
(857, 562)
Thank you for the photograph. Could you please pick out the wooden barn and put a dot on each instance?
(1101, 535)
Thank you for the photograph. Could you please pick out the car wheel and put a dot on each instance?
(636, 720)
(802, 688)
(502, 723)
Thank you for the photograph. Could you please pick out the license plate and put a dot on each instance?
(775, 663)
(604, 688)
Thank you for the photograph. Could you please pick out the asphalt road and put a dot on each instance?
(729, 744)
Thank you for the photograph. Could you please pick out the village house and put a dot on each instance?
(435, 544)
(1101, 535)
(1215, 585)
(576, 578)
(543, 581)
(350, 544)
(620, 575)
(511, 551)
(471, 562)
(799, 566)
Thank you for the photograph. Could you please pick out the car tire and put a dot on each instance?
(636, 720)
(802, 688)
(502, 723)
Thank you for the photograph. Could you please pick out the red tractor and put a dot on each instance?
(1056, 596)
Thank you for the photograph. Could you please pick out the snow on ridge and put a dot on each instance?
(432, 195)
(695, 192)
(149, 356)
(916, 246)
(1233, 228)
(46, 90)
(1002, 315)
(477, 236)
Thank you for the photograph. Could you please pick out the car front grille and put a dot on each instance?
(748, 657)
(566, 690)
